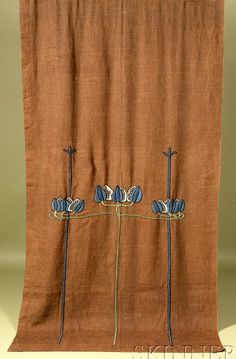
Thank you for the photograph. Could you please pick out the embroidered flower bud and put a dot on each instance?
(175, 207)
(181, 205)
(100, 194)
(78, 205)
(69, 202)
(157, 207)
(136, 195)
(55, 205)
(169, 205)
(61, 204)
(117, 195)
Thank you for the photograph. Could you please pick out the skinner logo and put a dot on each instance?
(167, 352)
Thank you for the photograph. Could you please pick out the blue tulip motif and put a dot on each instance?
(100, 194)
(136, 194)
(169, 206)
(157, 206)
(54, 205)
(61, 204)
(67, 204)
(117, 195)
(77, 206)
(168, 209)
(179, 205)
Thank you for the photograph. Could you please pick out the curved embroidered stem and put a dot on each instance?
(118, 204)
(116, 309)
(127, 205)
(172, 217)
(108, 205)
(68, 208)
(51, 215)
(160, 217)
(70, 152)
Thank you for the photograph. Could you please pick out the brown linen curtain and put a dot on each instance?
(121, 242)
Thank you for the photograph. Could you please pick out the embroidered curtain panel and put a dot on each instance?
(122, 107)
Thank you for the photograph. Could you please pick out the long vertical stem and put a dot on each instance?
(169, 253)
(169, 173)
(70, 152)
(169, 154)
(169, 283)
(116, 305)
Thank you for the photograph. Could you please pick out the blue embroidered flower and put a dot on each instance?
(55, 205)
(67, 204)
(135, 194)
(100, 194)
(168, 206)
(76, 206)
(58, 204)
(179, 205)
(157, 206)
(118, 195)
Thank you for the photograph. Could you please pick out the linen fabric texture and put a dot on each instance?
(121, 81)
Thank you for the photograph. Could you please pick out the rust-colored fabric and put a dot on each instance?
(121, 81)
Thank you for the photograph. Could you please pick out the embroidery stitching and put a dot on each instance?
(67, 208)
(169, 206)
(67, 205)
(119, 195)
